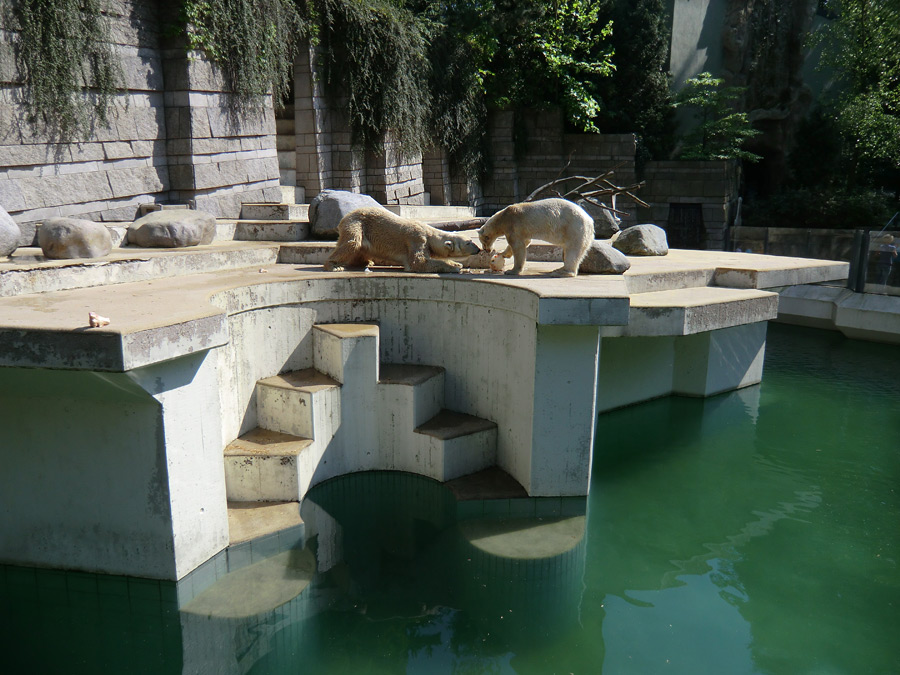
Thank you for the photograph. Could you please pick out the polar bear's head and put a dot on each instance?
(458, 247)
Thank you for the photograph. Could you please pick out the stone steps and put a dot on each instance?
(432, 214)
(262, 230)
(253, 211)
(349, 413)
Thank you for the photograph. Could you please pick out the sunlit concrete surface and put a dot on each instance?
(115, 457)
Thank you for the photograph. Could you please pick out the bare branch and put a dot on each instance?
(589, 189)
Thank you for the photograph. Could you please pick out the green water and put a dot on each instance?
(753, 532)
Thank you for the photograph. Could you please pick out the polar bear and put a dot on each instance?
(374, 234)
(557, 221)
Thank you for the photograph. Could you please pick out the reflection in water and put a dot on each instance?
(753, 532)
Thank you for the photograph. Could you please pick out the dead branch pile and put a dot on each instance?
(574, 188)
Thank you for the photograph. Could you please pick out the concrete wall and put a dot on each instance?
(696, 38)
(711, 185)
(169, 137)
(137, 441)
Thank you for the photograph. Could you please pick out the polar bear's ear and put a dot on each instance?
(449, 245)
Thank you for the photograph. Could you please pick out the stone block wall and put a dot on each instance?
(533, 151)
(395, 177)
(106, 176)
(169, 138)
(436, 176)
(712, 185)
(326, 156)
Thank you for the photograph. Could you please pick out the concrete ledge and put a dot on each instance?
(862, 316)
(696, 310)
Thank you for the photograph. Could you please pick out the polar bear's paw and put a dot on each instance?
(561, 272)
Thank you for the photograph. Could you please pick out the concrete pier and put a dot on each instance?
(125, 443)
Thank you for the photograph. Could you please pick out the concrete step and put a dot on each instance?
(347, 352)
(307, 404)
(305, 252)
(255, 211)
(453, 444)
(253, 520)
(432, 213)
(302, 403)
(688, 311)
(262, 466)
(271, 230)
(407, 396)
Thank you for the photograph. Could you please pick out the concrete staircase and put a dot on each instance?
(349, 413)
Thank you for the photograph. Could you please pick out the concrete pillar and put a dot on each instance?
(720, 360)
(562, 438)
(634, 369)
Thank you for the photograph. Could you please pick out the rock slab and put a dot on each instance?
(329, 206)
(9, 234)
(602, 258)
(66, 238)
(642, 240)
(172, 228)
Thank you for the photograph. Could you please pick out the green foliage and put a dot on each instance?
(862, 47)
(376, 53)
(252, 41)
(64, 55)
(547, 53)
(815, 209)
(721, 131)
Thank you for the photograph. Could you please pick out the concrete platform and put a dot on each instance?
(124, 426)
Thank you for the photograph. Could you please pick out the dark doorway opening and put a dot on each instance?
(685, 228)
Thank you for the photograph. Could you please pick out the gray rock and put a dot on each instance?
(64, 238)
(602, 258)
(642, 240)
(172, 228)
(329, 206)
(605, 224)
(9, 234)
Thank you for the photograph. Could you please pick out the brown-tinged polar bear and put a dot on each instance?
(374, 234)
(557, 221)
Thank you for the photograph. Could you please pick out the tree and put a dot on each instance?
(721, 131)
(861, 46)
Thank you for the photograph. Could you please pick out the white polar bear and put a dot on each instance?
(557, 221)
(375, 234)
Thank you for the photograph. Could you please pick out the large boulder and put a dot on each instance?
(172, 228)
(606, 225)
(642, 240)
(329, 206)
(65, 238)
(602, 258)
(9, 234)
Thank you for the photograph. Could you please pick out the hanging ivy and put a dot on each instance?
(252, 41)
(376, 54)
(65, 58)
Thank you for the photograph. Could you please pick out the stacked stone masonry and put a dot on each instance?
(170, 138)
(711, 185)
